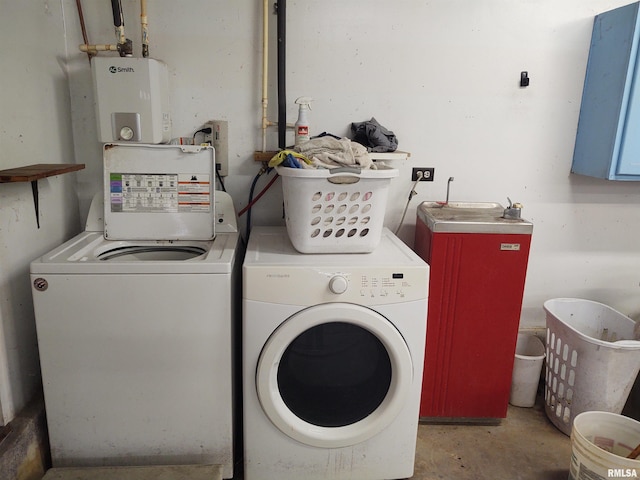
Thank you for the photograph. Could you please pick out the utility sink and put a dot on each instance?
(480, 217)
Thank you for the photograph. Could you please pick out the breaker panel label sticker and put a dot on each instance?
(163, 193)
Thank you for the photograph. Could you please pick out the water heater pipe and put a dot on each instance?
(265, 77)
(125, 46)
(85, 37)
(282, 97)
(91, 50)
(144, 28)
(94, 49)
(118, 21)
(265, 72)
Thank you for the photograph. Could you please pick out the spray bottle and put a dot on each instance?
(302, 124)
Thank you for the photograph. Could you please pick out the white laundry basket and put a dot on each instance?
(338, 210)
(592, 359)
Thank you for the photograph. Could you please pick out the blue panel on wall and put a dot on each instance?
(629, 158)
(610, 109)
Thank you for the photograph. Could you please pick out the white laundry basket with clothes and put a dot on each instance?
(336, 210)
(593, 358)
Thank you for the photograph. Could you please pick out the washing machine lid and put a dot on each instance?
(159, 192)
(90, 252)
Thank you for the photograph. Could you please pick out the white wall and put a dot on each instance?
(35, 128)
(442, 74)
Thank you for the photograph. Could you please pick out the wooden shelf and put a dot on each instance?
(263, 156)
(33, 173)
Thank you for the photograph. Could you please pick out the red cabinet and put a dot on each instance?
(478, 265)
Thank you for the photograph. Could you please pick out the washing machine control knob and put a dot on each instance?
(338, 284)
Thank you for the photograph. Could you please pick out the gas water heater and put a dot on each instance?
(132, 99)
(478, 254)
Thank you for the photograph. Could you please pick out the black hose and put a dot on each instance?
(282, 91)
(116, 6)
(220, 181)
(251, 190)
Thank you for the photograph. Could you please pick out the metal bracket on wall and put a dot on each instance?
(36, 201)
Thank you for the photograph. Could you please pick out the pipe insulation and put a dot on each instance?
(118, 21)
(125, 46)
(94, 49)
(144, 26)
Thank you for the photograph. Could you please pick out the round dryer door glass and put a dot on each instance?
(334, 375)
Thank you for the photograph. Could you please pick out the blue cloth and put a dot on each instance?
(291, 161)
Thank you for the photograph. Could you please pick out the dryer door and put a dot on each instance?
(334, 375)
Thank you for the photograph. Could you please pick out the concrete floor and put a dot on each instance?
(525, 446)
(24, 449)
(173, 472)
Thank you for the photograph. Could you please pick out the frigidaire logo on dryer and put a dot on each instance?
(114, 69)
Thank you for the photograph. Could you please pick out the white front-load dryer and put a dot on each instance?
(333, 349)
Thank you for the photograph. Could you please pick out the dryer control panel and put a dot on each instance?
(275, 272)
(364, 286)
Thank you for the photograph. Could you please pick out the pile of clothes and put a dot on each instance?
(330, 151)
(324, 152)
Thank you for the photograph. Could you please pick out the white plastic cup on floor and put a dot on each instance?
(530, 353)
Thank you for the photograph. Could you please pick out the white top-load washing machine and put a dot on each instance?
(333, 349)
(136, 335)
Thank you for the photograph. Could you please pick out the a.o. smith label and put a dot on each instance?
(513, 247)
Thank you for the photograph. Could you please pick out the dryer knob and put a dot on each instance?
(338, 284)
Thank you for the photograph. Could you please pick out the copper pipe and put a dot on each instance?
(85, 38)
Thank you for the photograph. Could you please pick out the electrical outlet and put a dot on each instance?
(427, 174)
(219, 139)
